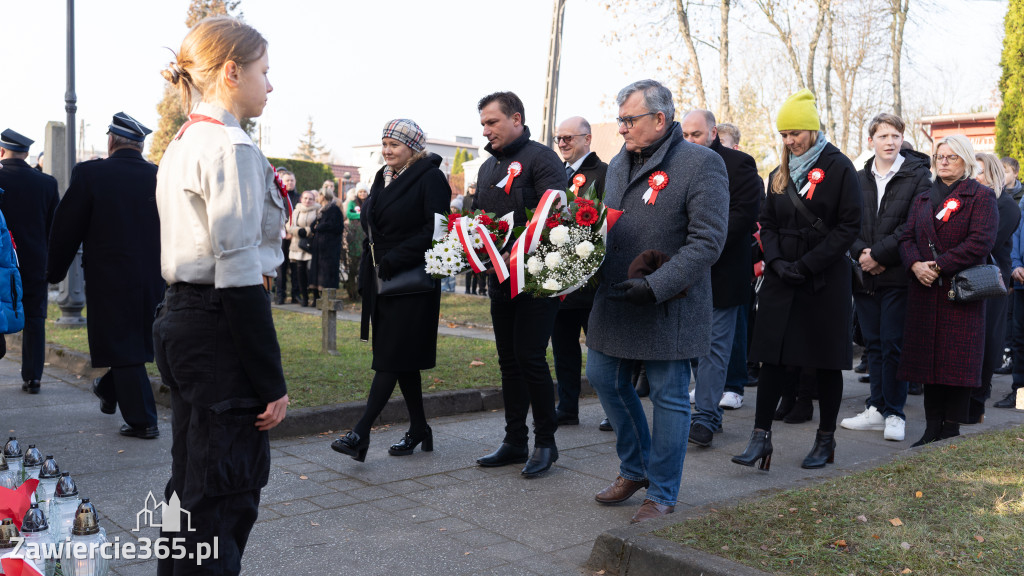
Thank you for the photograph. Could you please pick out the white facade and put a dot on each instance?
(369, 160)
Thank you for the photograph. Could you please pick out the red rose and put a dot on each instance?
(586, 216)
(485, 220)
(494, 237)
(551, 222)
(583, 202)
(451, 221)
(502, 226)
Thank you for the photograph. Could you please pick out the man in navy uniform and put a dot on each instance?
(110, 208)
(28, 203)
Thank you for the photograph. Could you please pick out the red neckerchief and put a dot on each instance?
(192, 119)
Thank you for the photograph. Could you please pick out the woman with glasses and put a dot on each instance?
(949, 228)
(809, 220)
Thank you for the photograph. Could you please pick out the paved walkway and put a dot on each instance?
(429, 513)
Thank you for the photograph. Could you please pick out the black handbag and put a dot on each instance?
(306, 243)
(974, 283)
(412, 281)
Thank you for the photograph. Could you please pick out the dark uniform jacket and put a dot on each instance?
(110, 208)
(730, 275)
(881, 226)
(541, 171)
(594, 170)
(401, 219)
(808, 324)
(28, 204)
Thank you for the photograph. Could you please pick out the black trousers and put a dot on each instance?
(33, 348)
(300, 280)
(219, 461)
(129, 386)
(282, 273)
(565, 343)
(522, 328)
(774, 379)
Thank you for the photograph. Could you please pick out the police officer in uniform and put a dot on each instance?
(110, 208)
(28, 204)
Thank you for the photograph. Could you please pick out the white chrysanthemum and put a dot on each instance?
(584, 249)
(534, 265)
(551, 284)
(553, 260)
(477, 242)
(559, 235)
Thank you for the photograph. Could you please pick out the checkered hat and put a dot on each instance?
(405, 131)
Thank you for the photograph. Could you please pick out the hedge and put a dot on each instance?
(308, 175)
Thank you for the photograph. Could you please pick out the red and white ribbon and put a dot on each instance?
(465, 236)
(950, 206)
(530, 239)
(514, 169)
(657, 183)
(577, 183)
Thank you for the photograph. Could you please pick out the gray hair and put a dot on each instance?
(657, 98)
(729, 130)
(992, 168)
(960, 146)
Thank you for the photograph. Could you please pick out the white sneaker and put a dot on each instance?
(693, 396)
(870, 419)
(731, 401)
(894, 428)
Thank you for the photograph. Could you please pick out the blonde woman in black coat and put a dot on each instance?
(399, 215)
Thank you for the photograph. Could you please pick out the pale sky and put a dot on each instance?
(353, 65)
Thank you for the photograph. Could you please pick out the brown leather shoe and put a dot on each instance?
(651, 509)
(620, 491)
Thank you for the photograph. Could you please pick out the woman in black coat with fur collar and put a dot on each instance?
(399, 217)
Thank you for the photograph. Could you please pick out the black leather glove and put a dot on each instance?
(384, 271)
(789, 272)
(635, 291)
(302, 232)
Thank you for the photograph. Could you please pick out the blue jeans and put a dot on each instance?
(655, 455)
(1017, 341)
(881, 316)
(736, 375)
(711, 369)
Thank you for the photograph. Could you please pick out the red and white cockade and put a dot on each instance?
(656, 182)
(948, 207)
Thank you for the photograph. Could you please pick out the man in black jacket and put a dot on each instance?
(110, 209)
(513, 179)
(730, 275)
(583, 169)
(889, 181)
(28, 203)
(288, 179)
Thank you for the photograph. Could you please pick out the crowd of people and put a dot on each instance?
(714, 274)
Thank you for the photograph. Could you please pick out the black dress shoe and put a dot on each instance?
(1009, 401)
(411, 440)
(565, 419)
(865, 379)
(605, 426)
(541, 460)
(861, 368)
(505, 454)
(915, 389)
(143, 432)
(106, 406)
(352, 445)
(30, 386)
(701, 435)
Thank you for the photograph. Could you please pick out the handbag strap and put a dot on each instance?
(816, 223)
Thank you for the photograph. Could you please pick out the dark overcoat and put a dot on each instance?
(594, 170)
(944, 341)
(402, 220)
(29, 200)
(808, 325)
(110, 209)
(330, 225)
(730, 275)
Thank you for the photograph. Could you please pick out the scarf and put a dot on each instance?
(940, 191)
(799, 166)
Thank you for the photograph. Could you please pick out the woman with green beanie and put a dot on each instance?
(809, 220)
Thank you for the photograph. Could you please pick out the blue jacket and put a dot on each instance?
(1017, 256)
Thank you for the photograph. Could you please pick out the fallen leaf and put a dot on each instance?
(599, 573)
(764, 547)
(476, 363)
(303, 477)
(438, 380)
(875, 536)
(452, 324)
(120, 451)
(905, 545)
(906, 571)
(979, 538)
(918, 494)
(818, 521)
(792, 510)
(442, 529)
(895, 522)
(314, 523)
(862, 518)
(814, 509)
(466, 553)
(726, 547)
(840, 543)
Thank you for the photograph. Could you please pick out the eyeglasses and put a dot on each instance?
(951, 158)
(567, 138)
(629, 120)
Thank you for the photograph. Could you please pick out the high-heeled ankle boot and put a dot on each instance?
(823, 452)
(409, 442)
(759, 448)
(640, 383)
(949, 430)
(932, 429)
(352, 445)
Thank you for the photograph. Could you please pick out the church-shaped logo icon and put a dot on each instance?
(163, 515)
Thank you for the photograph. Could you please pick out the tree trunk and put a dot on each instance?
(724, 108)
(786, 36)
(684, 30)
(829, 54)
(899, 9)
(812, 46)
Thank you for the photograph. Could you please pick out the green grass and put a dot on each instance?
(957, 509)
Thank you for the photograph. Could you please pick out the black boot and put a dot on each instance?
(949, 430)
(785, 406)
(352, 445)
(316, 296)
(932, 428)
(640, 383)
(410, 441)
(823, 452)
(803, 411)
(759, 448)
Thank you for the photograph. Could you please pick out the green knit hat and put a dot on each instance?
(798, 113)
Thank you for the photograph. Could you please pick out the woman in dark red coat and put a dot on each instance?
(944, 341)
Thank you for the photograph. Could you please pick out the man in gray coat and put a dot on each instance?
(654, 302)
